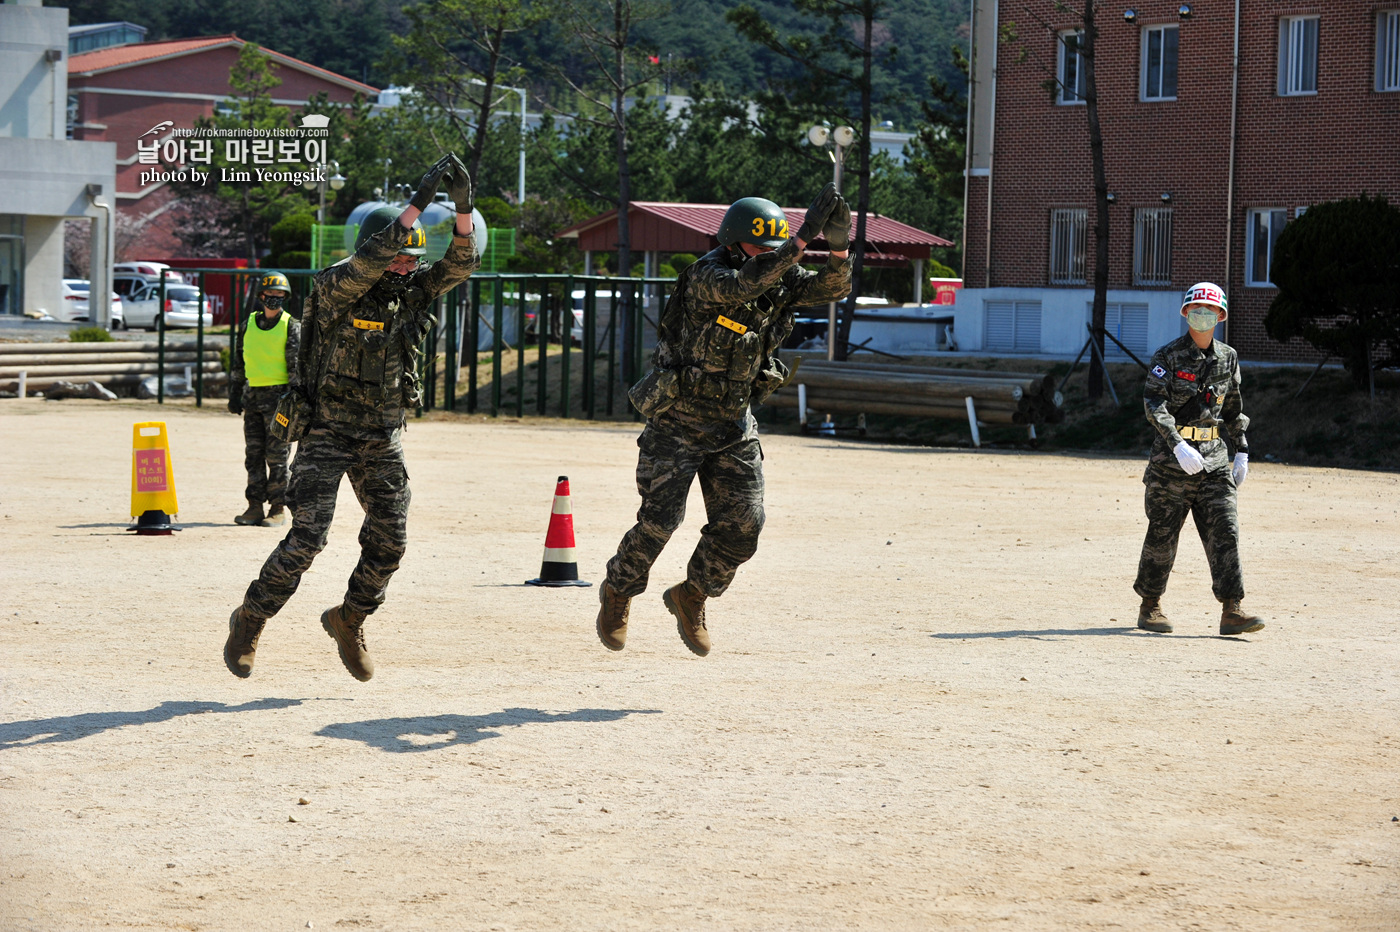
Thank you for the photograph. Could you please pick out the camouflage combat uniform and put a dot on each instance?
(1190, 387)
(371, 330)
(719, 336)
(264, 456)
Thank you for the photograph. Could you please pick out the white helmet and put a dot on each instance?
(1206, 293)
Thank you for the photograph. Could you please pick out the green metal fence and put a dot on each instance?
(605, 326)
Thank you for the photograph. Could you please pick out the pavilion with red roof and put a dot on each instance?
(657, 227)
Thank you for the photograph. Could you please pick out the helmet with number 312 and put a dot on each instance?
(754, 220)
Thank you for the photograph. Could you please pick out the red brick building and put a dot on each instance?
(118, 94)
(1315, 110)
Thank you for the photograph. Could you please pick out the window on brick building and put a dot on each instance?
(1067, 236)
(1297, 55)
(1262, 228)
(1152, 246)
(1159, 46)
(1012, 326)
(1071, 68)
(1388, 50)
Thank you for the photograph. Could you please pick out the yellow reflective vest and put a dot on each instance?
(265, 353)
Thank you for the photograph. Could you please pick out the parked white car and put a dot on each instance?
(182, 307)
(75, 303)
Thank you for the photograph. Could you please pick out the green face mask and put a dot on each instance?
(1202, 318)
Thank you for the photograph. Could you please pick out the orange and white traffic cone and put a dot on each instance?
(560, 566)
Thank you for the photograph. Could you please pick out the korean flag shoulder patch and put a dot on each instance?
(1159, 372)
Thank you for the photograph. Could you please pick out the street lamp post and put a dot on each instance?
(839, 140)
(521, 91)
(336, 182)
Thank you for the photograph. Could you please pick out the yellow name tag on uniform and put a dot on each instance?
(736, 327)
(368, 324)
(282, 419)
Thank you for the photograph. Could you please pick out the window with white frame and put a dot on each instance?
(1159, 48)
(1071, 68)
(1127, 323)
(1152, 246)
(1297, 55)
(1388, 50)
(1012, 326)
(1262, 227)
(1067, 238)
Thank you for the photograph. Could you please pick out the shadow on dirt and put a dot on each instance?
(1050, 633)
(433, 732)
(73, 727)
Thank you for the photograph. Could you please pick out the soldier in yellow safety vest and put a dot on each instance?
(263, 369)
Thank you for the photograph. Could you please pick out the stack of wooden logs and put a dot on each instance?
(112, 364)
(922, 391)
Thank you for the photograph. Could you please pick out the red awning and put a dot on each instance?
(660, 227)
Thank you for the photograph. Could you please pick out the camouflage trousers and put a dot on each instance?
(1210, 499)
(264, 456)
(674, 450)
(377, 474)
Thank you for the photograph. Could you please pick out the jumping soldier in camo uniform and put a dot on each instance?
(717, 351)
(263, 368)
(1193, 389)
(369, 313)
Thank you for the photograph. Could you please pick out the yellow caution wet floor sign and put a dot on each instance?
(152, 478)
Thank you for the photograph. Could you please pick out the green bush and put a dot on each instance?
(224, 358)
(291, 236)
(1339, 283)
(679, 260)
(90, 335)
(936, 269)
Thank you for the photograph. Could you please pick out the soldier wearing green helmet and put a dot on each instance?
(716, 353)
(262, 370)
(364, 320)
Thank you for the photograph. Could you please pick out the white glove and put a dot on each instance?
(1240, 469)
(1189, 457)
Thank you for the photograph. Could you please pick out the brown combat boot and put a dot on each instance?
(276, 514)
(612, 617)
(253, 516)
(688, 605)
(1150, 617)
(1233, 620)
(347, 627)
(242, 643)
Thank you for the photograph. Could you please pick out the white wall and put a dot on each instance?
(1063, 314)
(43, 264)
(33, 91)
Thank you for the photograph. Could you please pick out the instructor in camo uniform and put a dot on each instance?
(365, 320)
(716, 351)
(1192, 395)
(264, 367)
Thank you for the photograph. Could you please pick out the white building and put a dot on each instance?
(45, 178)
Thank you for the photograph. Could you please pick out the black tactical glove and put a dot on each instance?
(816, 214)
(838, 226)
(235, 399)
(427, 188)
(459, 185)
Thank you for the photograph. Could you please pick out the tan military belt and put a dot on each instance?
(368, 324)
(1199, 433)
(732, 325)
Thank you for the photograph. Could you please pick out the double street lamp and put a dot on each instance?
(839, 140)
(336, 182)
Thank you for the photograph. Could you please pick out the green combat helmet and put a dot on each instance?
(754, 220)
(381, 217)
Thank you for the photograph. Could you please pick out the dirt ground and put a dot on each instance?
(927, 706)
